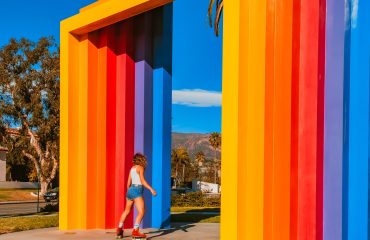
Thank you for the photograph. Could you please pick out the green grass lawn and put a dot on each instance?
(195, 209)
(16, 194)
(195, 218)
(194, 214)
(16, 224)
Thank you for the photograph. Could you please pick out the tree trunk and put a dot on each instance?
(183, 173)
(215, 175)
(43, 187)
(42, 164)
(176, 176)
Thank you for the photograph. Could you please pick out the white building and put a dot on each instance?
(206, 187)
(3, 152)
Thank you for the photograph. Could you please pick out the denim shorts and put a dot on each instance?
(135, 191)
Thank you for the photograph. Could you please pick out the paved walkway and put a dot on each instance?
(181, 231)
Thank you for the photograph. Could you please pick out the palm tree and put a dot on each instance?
(180, 156)
(200, 158)
(219, 9)
(215, 141)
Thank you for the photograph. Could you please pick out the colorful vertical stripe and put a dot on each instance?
(162, 114)
(295, 118)
(144, 99)
(333, 120)
(356, 116)
(277, 119)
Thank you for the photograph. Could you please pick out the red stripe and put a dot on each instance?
(111, 134)
(125, 113)
(92, 129)
(307, 120)
(320, 121)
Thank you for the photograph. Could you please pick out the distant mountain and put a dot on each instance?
(195, 142)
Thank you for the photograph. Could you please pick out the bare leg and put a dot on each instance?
(127, 211)
(140, 207)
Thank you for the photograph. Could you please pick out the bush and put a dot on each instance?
(197, 199)
(50, 208)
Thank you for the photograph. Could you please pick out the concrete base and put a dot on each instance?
(188, 231)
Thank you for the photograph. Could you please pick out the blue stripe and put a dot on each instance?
(356, 117)
(162, 107)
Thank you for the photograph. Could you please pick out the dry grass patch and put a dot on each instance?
(16, 224)
(17, 195)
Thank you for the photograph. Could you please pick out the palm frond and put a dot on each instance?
(210, 12)
(219, 10)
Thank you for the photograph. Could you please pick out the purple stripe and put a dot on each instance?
(143, 102)
(333, 133)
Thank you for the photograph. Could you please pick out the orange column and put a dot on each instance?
(92, 129)
(278, 119)
(101, 135)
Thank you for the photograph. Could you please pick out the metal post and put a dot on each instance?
(38, 193)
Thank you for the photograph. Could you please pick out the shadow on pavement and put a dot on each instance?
(175, 227)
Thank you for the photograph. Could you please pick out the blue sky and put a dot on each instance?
(197, 53)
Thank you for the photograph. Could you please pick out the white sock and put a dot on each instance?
(136, 226)
(120, 225)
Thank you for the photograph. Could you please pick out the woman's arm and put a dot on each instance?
(129, 181)
(140, 171)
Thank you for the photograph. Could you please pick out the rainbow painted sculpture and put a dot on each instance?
(295, 115)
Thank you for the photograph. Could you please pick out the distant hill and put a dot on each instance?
(195, 142)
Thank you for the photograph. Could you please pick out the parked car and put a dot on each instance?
(52, 195)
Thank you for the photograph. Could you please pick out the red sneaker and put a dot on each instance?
(136, 233)
(119, 233)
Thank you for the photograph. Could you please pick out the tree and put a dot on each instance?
(29, 101)
(219, 9)
(200, 158)
(215, 141)
(180, 157)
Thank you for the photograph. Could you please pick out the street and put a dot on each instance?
(17, 208)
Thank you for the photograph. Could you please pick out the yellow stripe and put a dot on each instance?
(82, 133)
(251, 119)
(63, 168)
(230, 85)
(73, 65)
